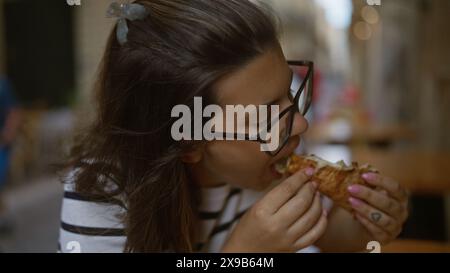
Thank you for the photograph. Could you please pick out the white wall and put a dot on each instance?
(91, 31)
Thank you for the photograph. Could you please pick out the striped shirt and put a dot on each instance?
(96, 227)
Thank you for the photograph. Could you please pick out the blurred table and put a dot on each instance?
(420, 172)
(416, 246)
(343, 132)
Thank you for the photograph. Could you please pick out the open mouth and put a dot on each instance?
(281, 165)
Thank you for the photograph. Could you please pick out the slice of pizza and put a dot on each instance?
(333, 178)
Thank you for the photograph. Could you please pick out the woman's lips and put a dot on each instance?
(274, 171)
(289, 148)
(287, 151)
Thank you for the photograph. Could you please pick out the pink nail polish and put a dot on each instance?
(354, 202)
(369, 176)
(309, 171)
(354, 189)
(315, 185)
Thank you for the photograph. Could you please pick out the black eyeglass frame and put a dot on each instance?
(291, 110)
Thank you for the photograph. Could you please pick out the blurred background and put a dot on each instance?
(382, 96)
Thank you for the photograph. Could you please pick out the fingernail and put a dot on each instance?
(354, 202)
(315, 185)
(354, 189)
(369, 176)
(309, 171)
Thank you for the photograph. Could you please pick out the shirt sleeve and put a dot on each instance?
(89, 227)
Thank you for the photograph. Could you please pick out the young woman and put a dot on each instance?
(134, 188)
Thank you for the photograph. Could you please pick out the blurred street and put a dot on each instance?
(34, 213)
(381, 96)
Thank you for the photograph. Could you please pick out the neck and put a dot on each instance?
(204, 179)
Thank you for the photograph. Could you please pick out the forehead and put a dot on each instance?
(262, 80)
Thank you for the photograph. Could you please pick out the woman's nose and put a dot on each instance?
(299, 126)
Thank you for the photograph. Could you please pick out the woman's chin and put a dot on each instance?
(264, 184)
(266, 180)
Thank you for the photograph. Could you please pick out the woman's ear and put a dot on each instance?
(193, 156)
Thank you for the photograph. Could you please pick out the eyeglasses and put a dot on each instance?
(300, 95)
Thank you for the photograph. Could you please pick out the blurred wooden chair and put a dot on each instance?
(416, 246)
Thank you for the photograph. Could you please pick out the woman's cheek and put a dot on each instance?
(238, 162)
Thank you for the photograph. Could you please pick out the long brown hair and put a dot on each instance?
(179, 51)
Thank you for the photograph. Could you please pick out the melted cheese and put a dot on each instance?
(321, 163)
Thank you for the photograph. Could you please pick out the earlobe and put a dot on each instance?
(194, 156)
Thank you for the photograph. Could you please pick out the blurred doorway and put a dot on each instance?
(40, 51)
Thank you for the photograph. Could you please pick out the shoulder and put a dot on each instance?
(88, 226)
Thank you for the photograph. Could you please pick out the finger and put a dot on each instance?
(375, 216)
(393, 187)
(377, 199)
(278, 196)
(379, 234)
(308, 220)
(313, 234)
(297, 205)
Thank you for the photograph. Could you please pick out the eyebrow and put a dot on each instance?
(275, 100)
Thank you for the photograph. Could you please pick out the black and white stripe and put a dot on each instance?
(96, 226)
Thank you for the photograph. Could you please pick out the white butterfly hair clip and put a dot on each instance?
(124, 12)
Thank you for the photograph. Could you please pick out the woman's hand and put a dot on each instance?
(288, 218)
(382, 212)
